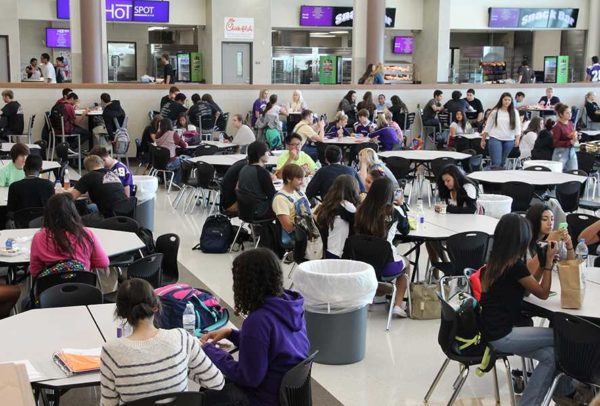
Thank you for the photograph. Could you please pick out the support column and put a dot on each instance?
(359, 39)
(94, 68)
(432, 44)
(592, 46)
(375, 31)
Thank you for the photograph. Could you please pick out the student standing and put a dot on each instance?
(48, 71)
(168, 72)
(564, 137)
(593, 71)
(504, 130)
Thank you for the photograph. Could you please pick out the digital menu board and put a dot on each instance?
(58, 38)
(404, 45)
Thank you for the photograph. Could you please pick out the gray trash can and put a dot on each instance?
(147, 187)
(336, 295)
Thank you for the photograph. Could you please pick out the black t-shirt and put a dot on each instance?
(428, 112)
(476, 104)
(172, 109)
(104, 188)
(111, 111)
(12, 117)
(168, 71)
(164, 100)
(591, 108)
(553, 100)
(256, 181)
(501, 304)
(452, 106)
(200, 111)
(230, 180)
(29, 193)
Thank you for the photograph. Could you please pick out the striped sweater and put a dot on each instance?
(135, 369)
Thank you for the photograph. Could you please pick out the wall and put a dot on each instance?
(388, 46)
(463, 16)
(137, 33)
(544, 43)
(33, 41)
(9, 25)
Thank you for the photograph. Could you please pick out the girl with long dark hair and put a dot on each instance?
(367, 104)
(348, 106)
(564, 137)
(529, 137)
(378, 216)
(169, 139)
(458, 191)
(273, 338)
(459, 126)
(503, 127)
(63, 237)
(504, 283)
(335, 215)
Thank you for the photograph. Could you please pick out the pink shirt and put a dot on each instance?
(44, 252)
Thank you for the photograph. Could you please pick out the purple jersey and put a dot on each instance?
(124, 175)
(258, 107)
(593, 72)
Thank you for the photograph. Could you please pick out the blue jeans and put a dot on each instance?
(567, 156)
(499, 151)
(175, 166)
(536, 343)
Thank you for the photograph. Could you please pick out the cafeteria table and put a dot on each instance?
(422, 156)
(6, 146)
(347, 140)
(532, 177)
(227, 160)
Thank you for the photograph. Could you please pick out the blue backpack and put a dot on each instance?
(210, 315)
(217, 235)
(273, 138)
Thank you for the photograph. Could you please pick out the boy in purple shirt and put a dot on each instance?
(116, 167)
(363, 125)
(259, 105)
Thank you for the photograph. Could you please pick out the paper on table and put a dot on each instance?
(92, 352)
(32, 373)
(73, 361)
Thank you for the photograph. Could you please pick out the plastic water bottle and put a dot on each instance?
(189, 319)
(124, 330)
(221, 138)
(420, 214)
(58, 186)
(66, 180)
(581, 252)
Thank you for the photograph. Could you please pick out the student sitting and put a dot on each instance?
(244, 135)
(294, 155)
(457, 191)
(338, 127)
(591, 107)
(272, 340)
(460, 126)
(173, 91)
(111, 110)
(65, 108)
(335, 215)
(544, 143)
(13, 171)
(348, 106)
(367, 104)
(173, 108)
(549, 100)
(529, 137)
(320, 183)
(103, 186)
(255, 181)
(116, 167)
(308, 134)
(31, 191)
(149, 136)
(228, 198)
(385, 134)
(363, 126)
(63, 237)
(390, 119)
(150, 361)
(289, 200)
(169, 139)
(377, 216)
(11, 116)
(369, 161)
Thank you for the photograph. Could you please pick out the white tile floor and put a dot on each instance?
(399, 365)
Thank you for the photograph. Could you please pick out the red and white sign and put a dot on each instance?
(239, 28)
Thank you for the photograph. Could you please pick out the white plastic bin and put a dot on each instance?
(495, 205)
(336, 295)
(146, 188)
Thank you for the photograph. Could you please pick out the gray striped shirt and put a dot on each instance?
(136, 369)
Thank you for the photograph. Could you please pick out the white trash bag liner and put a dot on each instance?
(335, 285)
(495, 205)
(147, 186)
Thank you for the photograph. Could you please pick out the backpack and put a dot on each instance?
(305, 222)
(270, 237)
(56, 114)
(210, 315)
(217, 235)
(122, 140)
(148, 239)
(273, 138)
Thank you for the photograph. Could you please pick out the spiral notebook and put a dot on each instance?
(76, 361)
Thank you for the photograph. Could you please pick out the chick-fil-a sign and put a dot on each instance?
(239, 28)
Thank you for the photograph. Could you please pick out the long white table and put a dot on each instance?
(425, 155)
(462, 223)
(347, 140)
(227, 160)
(532, 177)
(46, 165)
(113, 242)
(6, 146)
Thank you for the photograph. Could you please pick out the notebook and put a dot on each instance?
(75, 361)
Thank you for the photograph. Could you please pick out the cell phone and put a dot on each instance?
(563, 226)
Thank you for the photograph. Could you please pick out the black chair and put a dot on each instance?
(538, 168)
(586, 162)
(23, 217)
(474, 163)
(120, 223)
(206, 180)
(321, 147)
(376, 252)
(521, 193)
(576, 351)
(434, 170)
(568, 194)
(188, 182)
(37, 222)
(171, 399)
(246, 212)
(402, 170)
(148, 268)
(43, 283)
(206, 149)
(577, 223)
(295, 388)
(168, 245)
(512, 160)
(159, 158)
(70, 294)
(466, 250)
(461, 144)
(140, 156)
(126, 207)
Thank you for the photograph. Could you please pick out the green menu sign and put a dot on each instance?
(562, 70)
(328, 69)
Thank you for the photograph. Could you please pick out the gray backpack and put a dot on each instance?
(122, 140)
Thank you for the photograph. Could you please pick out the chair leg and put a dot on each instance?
(525, 377)
(436, 380)
(236, 237)
(179, 196)
(389, 320)
(496, 390)
(292, 270)
(458, 384)
(170, 181)
(409, 298)
(511, 389)
(550, 392)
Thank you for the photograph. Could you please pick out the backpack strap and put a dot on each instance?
(286, 196)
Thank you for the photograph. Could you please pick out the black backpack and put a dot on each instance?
(56, 113)
(270, 237)
(217, 235)
(148, 240)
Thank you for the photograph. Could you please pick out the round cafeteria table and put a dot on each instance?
(425, 155)
(347, 140)
(227, 160)
(554, 166)
(532, 177)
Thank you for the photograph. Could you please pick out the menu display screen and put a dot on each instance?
(58, 38)
(404, 45)
(316, 16)
(504, 17)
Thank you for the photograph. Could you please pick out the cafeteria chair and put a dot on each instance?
(402, 171)
(568, 194)
(125, 207)
(171, 399)
(409, 126)
(295, 388)
(474, 163)
(206, 149)
(465, 250)
(521, 193)
(576, 351)
(42, 283)
(29, 134)
(53, 137)
(120, 223)
(450, 328)
(168, 246)
(246, 209)
(513, 160)
(537, 168)
(159, 158)
(586, 162)
(23, 217)
(588, 189)
(148, 268)
(321, 147)
(70, 294)
(428, 131)
(140, 155)
(206, 180)
(188, 182)
(577, 222)
(434, 170)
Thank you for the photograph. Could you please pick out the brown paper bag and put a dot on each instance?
(572, 284)
(15, 389)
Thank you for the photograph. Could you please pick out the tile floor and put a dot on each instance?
(399, 365)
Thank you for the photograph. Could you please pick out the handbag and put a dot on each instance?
(424, 302)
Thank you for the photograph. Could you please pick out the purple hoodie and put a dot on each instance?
(272, 341)
(387, 138)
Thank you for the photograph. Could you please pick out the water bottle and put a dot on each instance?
(8, 245)
(124, 330)
(420, 214)
(189, 319)
(58, 186)
(581, 252)
(66, 180)
(221, 138)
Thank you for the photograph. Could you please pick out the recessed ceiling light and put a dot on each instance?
(339, 32)
(323, 36)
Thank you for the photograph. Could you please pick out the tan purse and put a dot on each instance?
(424, 302)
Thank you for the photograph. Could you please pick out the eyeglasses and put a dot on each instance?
(294, 145)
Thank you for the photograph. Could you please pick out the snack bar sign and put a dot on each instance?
(239, 28)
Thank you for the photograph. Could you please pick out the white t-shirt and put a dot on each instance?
(48, 72)
(336, 239)
(244, 136)
(459, 130)
(526, 144)
(502, 130)
(275, 110)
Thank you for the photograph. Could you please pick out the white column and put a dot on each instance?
(432, 44)
(93, 42)
(359, 39)
(592, 46)
(375, 31)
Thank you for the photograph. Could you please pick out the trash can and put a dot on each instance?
(146, 187)
(495, 205)
(336, 298)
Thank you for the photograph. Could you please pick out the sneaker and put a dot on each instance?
(379, 299)
(399, 312)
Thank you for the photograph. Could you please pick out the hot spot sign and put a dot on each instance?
(139, 11)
